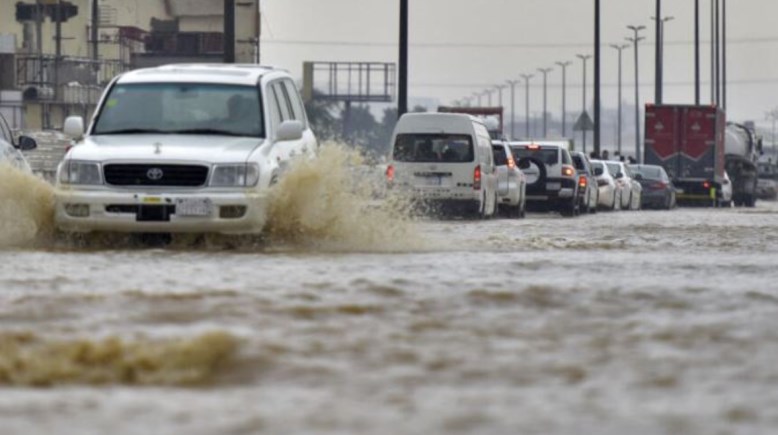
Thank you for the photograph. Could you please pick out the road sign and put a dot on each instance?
(584, 123)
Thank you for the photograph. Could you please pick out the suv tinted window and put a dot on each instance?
(447, 148)
(578, 162)
(547, 155)
(500, 158)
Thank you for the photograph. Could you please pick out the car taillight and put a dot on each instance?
(511, 163)
(390, 173)
(706, 184)
(477, 178)
(582, 182)
(568, 171)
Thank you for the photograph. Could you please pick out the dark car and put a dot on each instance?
(658, 189)
(588, 190)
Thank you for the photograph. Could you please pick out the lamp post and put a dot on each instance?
(564, 66)
(512, 84)
(635, 41)
(584, 58)
(488, 94)
(402, 91)
(697, 52)
(478, 96)
(545, 72)
(526, 78)
(619, 48)
(660, 59)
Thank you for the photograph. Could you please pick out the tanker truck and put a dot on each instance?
(742, 149)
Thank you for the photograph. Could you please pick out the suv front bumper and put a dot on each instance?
(86, 211)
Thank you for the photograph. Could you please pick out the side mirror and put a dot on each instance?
(598, 172)
(74, 127)
(26, 143)
(289, 130)
(638, 177)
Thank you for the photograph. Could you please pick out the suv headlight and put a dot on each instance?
(235, 175)
(77, 172)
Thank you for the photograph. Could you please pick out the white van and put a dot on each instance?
(445, 160)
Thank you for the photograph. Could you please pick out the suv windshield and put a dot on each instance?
(184, 108)
(547, 155)
(425, 148)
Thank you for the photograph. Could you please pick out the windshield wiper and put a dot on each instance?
(207, 131)
(133, 131)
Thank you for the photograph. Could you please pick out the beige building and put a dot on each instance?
(46, 88)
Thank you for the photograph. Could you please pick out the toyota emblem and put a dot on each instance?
(154, 174)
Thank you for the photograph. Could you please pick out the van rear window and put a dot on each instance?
(549, 156)
(425, 148)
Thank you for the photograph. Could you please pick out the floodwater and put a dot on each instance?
(616, 323)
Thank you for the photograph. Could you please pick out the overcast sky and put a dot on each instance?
(463, 46)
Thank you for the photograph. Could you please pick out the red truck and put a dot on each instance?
(689, 142)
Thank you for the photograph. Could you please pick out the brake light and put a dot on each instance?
(706, 184)
(568, 171)
(390, 173)
(582, 182)
(477, 178)
(533, 147)
(511, 163)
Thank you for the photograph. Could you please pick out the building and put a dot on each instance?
(56, 56)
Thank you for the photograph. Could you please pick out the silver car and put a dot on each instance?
(10, 150)
(511, 181)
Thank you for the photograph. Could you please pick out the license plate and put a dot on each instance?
(193, 207)
(553, 186)
(431, 181)
(680, 191)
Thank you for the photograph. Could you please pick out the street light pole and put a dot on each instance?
(526, 78)
(658, 55)
(724, 54)
(597, 70)
(512, 84)
(584, 58)
(402, 91)
(488, 94)
(697, 52)
(619, 48)
(545, 72)
(660, 60)
(636, 40)
(564, 66)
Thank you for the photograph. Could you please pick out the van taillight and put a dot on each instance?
(390, 173)
(706, 185)
(511, 163)
(582, 182)
(568, 171)
(477, 178)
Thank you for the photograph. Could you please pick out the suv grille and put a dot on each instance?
(155, 175)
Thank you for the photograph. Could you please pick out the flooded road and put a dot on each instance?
(631, 322)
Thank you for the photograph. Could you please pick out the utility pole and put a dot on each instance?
(512, 84)
(545, 72)
(718, 54)
(619, 48)
(229, 31)
(584, 58)
(597, 63)
(660, 60)
(57, 48)
(94, 30)
(402, 97)
(697, 52)
(636, 40)
(564, 66)
(488, 94)
(500, 88)
(713, 51)
(526, 78)
(724, 54)
(658, 55)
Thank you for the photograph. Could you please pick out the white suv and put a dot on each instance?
(552, 180)
(182, 148)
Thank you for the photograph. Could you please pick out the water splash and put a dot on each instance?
(26, 208)
(327, 202)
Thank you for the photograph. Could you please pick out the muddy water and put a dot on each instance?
(639, 323)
